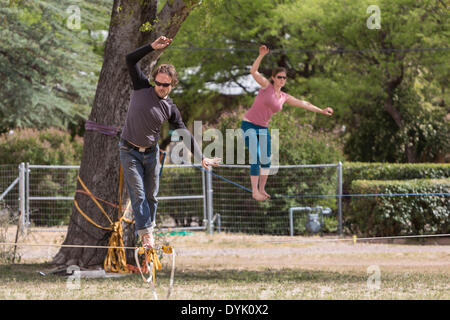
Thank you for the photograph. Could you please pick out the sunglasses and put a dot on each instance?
(281, 77)
(160, 84)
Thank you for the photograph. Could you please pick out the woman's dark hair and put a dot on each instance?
(169, 70)
(276, 71)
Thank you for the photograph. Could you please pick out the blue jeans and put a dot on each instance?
(257, 140)
(141, 174)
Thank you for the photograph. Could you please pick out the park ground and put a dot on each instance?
(226, 266)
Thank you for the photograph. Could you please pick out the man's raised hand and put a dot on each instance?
(161, 43)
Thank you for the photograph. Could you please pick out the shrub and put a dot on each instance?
(392, 171)
(398, 215)
(48, 146)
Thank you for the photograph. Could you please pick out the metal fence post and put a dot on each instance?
(205, 210)
(339, 192)
(27, 194)
(219, 222)
(22, 197)
(291, 222)
(209, 190)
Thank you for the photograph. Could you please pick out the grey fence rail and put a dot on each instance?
(191, 198)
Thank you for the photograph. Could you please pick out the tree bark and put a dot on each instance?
(100, 165)
(392, 85)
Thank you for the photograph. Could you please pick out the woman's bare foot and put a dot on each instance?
(258, 196)
(264, 193)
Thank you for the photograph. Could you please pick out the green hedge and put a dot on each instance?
(392, 171)
(398, 215)
(45, 147)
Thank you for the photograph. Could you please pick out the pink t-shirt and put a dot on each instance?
(265, 105)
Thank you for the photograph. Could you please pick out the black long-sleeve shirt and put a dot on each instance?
(147, 111)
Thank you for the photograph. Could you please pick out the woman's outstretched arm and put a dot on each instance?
(307, 105)
(262, 81)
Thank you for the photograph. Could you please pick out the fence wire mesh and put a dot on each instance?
(50, 192)
(183, 197)
(9, 209)
(291, 186)
(9, 190)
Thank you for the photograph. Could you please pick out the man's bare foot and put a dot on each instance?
(147, 240)
(258, 196)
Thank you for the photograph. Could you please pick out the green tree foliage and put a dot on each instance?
(49, 65)
(392, 102)
(393, 86)
(227, 32)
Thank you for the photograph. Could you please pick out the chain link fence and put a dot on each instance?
(190, 198)
(301, 186)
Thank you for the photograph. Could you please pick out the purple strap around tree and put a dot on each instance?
(104, 129)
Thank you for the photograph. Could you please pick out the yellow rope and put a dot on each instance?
(95, 200)
(156, 264)
(115, 260)
(89, 219)
(151, 257)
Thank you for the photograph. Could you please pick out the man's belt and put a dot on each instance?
(142, 150)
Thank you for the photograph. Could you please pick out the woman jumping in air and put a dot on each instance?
(270, 99)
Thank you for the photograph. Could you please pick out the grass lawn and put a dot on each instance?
(234, 267)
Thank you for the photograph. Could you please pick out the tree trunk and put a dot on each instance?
(410, 150)
(100, 165)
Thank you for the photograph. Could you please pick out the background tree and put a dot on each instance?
(133, 24)
(391, 102)
(45, 79)
(229, 34)
(391, 78)
(387, 84)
